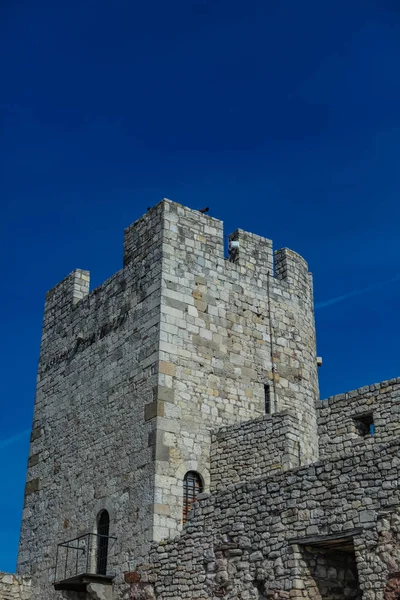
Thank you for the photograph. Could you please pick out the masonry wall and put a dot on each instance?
(135, 375)
(246, 542)
(338, 416)
(91, 447)
(228, 327)
(254, 449)
(14, 588)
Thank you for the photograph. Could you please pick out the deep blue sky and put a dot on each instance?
(282, 116)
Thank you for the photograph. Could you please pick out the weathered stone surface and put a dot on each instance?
(170, 367)
(254, 449)
(265, 520)
(32, 486)
(97, 591)
(14, 587)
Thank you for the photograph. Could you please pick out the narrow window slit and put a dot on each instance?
(103, 527)
(192, 487)
(267, 399)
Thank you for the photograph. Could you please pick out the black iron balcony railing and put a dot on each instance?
(82, 560)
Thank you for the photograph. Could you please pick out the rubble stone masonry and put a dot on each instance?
(328, 530)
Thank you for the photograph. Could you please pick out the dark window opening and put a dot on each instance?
(192, 487)
(267, 399)
(364, 424)
(321, 560)
(103, 528)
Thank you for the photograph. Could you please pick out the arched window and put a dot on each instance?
(103, 528)
(192, 487)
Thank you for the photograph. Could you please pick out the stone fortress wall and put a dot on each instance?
(91, 448)
(340, 418)
(329, 530)
(228, 329)
(254, 449)
(257, 448)
(134, 376)
(13, 587)
(187, 360)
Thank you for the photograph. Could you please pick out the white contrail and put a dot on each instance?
(369, 288)
(14, 438)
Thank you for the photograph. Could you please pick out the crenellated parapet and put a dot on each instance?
(252, 253)
(170, 231)
(143, 238)
(293, 269)
(63, 296)
(255, 258)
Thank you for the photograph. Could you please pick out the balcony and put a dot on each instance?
(82, 561)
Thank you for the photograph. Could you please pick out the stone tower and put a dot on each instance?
(134, 376)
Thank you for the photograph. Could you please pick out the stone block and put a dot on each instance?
(162, 509)
(165, 394)
(166, 368)
(153, 409)
(33, 460)
(32, 486)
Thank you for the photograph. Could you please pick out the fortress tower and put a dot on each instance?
(135, 376)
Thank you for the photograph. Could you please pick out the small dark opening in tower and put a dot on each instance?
(365, 424)
(103, 528)
(267, 399)
(192, 487)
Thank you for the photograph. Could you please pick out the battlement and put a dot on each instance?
(144, 236)
(292, 268)
(172, 231)
(177, 279)
(66, 294)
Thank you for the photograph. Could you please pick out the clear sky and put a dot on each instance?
(281, 116)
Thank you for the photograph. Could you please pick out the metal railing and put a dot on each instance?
(86, 554)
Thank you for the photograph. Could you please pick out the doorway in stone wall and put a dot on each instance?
(329, 569)
(103, 528)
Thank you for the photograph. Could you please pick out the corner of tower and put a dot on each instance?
(62, 297)
(143, 237)
(292, 268)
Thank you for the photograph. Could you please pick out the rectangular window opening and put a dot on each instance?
(267, 399)
(364, 424)
(320, 565)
